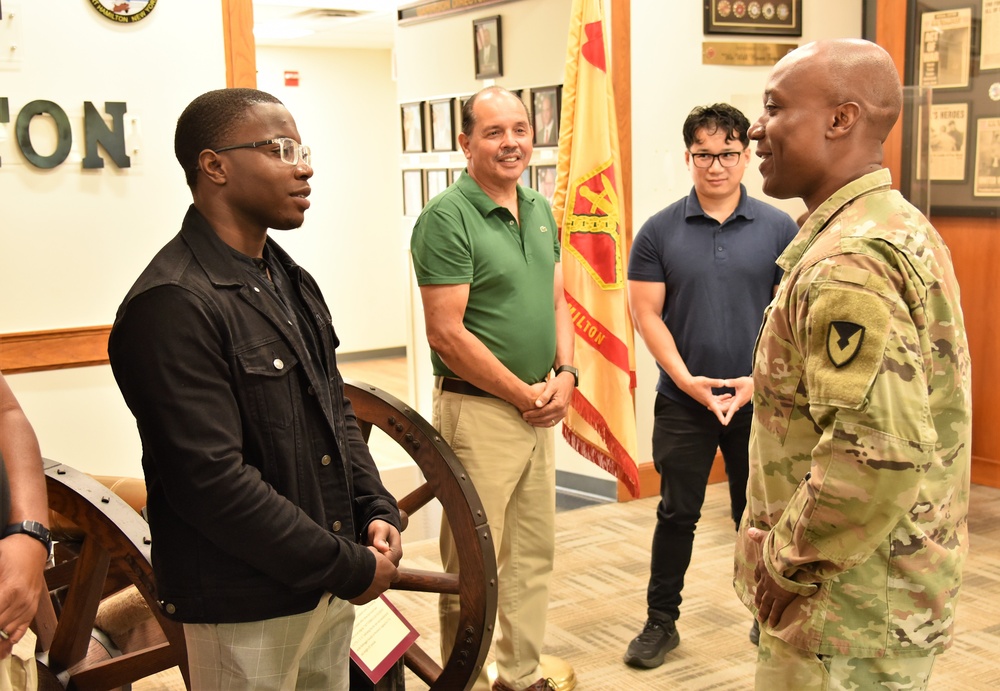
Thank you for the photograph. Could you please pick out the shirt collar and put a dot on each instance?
(693, 207)
(880, 180)
(479, 199)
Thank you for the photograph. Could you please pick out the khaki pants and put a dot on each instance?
(512, 466)
(303, 651)
(781, 666)
(18, 672)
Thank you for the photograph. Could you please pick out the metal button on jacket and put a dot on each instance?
(278, 364)
(337, 525)
(326, 459)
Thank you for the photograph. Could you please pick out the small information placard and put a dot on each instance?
(381, 636)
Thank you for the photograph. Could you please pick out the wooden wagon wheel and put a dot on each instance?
(108, 553)
(447, 481)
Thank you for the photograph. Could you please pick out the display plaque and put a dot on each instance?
(754, 54)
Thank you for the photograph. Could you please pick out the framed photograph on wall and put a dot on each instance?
(486, 46)
(545, 107)
(412, 116)
(437, 181)
(987, 179)
(443, 125)
(771, 18)
(413, 192)
(545, 181)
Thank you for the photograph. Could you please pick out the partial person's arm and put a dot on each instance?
(22, 557)
(464, 353)
(647, 299)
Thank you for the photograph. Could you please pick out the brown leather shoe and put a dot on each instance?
(540, 685)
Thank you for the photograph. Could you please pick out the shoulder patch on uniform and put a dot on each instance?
(848, 331)
(843, 342)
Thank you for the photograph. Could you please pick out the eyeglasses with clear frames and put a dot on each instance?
(727, 159)
(291, 151)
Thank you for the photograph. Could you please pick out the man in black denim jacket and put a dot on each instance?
(263, 499)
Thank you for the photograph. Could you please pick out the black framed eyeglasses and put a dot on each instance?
(727, 159)
(291, 151)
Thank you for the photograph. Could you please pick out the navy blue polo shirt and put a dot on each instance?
(719, 279)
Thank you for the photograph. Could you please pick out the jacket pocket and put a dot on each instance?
(270, 372)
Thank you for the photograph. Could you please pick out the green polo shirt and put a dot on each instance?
(464, 237)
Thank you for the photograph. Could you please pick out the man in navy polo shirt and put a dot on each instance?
(701, 272)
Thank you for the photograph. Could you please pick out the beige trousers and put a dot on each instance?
(512, 466)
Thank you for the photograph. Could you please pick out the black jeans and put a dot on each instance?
(684, 443)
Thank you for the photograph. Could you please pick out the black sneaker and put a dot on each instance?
(648, 649)
(755, 633)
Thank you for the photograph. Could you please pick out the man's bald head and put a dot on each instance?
(853, 71)
(828, 108)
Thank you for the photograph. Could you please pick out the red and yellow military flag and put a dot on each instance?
(600, 424)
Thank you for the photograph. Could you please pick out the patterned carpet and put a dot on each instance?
(598, 603)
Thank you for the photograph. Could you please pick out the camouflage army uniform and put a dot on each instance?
(860, 449)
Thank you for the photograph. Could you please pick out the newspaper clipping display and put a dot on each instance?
(987, 180)
(946, 43)
(989, 58)
(948, 134)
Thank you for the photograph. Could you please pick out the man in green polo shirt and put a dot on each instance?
(486, 256)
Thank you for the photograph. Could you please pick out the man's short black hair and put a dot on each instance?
(469, 117)
(208, 121)
(719, 116)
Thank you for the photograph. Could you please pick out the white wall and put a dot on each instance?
(345, 109)
(668, 80)
(73, 241)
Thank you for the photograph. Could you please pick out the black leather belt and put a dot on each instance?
(463, 387)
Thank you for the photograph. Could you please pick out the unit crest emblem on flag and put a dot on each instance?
(592, 221)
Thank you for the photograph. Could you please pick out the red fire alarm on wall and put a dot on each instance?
(291, 78)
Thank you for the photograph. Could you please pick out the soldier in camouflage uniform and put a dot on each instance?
(851, 548)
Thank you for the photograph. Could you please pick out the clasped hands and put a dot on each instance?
(386, 544)
(548, 401)
(723, 405)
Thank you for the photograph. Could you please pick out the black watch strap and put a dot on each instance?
(33, 529)
(572, 370)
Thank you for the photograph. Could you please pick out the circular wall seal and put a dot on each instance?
(124, 11)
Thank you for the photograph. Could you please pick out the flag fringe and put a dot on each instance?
(603, 461)
(616, 460)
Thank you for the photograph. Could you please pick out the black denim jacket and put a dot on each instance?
(260, 487)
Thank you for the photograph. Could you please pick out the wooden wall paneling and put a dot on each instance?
(241, 50)
(975, 250)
